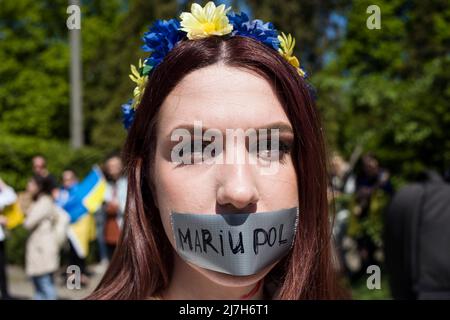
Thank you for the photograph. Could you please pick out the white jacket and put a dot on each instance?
(7, 197)
(42, 250)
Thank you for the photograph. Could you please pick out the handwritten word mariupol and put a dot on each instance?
(202, 240)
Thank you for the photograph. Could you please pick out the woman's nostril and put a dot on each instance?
(237, 197)
(231, 208)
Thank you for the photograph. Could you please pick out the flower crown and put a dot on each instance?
(201, 22)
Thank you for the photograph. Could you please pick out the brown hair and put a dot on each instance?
(141, 265)
(44, 185)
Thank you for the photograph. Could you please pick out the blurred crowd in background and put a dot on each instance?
(48, 209)
(404, 233)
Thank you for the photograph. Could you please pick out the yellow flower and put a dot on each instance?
(140, 81)
(204, 22)
(287, 44)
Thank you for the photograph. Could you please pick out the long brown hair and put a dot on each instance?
(141, 265)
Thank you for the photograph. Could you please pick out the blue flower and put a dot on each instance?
(160, 39)
(127, 114)
(256, 29)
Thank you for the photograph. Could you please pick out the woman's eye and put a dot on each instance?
(197, 152)
(273, 153)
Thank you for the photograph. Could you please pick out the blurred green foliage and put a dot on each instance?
(16, 245)
(370, 225)
(360, 291)
(34, 75)
(388, 90)
(17, 151)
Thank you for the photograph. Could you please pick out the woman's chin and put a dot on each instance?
(228, 280)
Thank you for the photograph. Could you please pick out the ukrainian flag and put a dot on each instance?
(86, 199)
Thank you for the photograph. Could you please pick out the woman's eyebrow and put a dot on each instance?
(188, 127)
(280, 125)
(283, 127)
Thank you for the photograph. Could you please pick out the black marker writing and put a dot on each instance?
(261, 237)
(206, 235)
(204, 239)
(239, 247)
(197, 241)
(281, 241)
(221, 242)
(185, 238)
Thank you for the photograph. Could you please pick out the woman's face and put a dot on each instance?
(223, 98)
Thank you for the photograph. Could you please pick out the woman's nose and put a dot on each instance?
(237, 188)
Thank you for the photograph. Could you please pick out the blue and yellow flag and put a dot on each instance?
(86, 199)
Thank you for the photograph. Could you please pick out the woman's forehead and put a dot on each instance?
(222, 97)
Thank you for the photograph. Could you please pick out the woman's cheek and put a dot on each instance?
(184, 189)
(279, 190)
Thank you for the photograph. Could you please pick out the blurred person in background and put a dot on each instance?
(68, 188)
(114, 203)
(372, 193)
(371, 178)
(7, 197)
(342, 177)
(39, 165)
(42, 250)
(417, 239)
(342, 188)
(69, 185)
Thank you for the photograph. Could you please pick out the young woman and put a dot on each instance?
(42, 250)
(224, 72)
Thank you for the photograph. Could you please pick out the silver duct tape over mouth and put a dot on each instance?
(238, 244)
